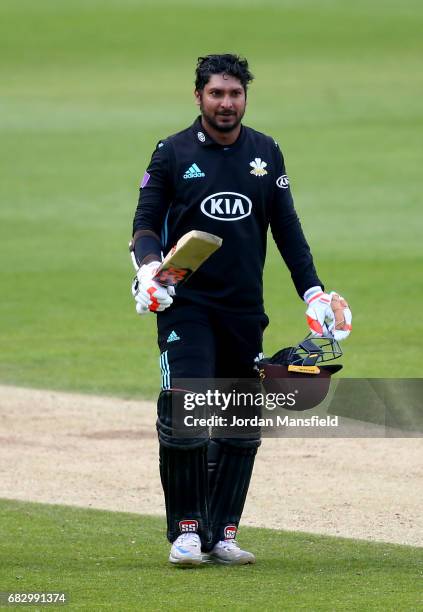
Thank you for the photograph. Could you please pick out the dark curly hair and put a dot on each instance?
(227, 63)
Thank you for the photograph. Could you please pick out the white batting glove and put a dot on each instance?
(342, 324)
(328, 314)
(319, 314)
(149, 295)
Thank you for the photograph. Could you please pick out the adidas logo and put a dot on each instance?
(173, 337)
(193, 172)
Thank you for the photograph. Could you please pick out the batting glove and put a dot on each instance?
(342, 324)
(149, 295)
(319, 314)
(327, 314)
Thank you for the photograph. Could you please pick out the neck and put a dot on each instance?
(223, 138)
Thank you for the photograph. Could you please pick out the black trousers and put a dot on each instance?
(205, 483)
(208, 343)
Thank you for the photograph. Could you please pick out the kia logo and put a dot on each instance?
(227, 206)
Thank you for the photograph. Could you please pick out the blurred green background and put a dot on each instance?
(87, 89)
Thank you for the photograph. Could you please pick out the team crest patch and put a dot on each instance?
(188, 526)
(258, 167)
(230, 532)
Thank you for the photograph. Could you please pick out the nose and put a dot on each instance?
(226, 102)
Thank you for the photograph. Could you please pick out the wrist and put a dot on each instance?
(312, 294)
(146, 246)
(148, 270)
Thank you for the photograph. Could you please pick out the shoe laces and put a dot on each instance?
(190, 539)
(230, 544)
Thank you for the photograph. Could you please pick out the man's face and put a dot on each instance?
(222, 102)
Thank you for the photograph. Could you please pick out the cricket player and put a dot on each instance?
(221, 177)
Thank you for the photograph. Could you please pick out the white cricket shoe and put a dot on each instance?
(229, 553)
(186, 550)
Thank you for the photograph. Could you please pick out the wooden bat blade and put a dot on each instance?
(186, 257)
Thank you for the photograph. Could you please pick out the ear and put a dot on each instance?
(197, 95)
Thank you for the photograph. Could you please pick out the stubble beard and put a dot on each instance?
(221, 128)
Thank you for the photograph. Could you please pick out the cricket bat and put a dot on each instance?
(186, 256)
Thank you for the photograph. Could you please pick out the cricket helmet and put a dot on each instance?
(302, 367)
(307, 354)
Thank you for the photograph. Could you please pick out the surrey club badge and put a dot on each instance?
(258, 167)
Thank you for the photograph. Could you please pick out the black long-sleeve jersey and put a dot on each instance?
(235, 192)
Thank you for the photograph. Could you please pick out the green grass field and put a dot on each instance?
(116, 561)
(88, 87)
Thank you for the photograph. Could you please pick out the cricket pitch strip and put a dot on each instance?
(101, 452)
